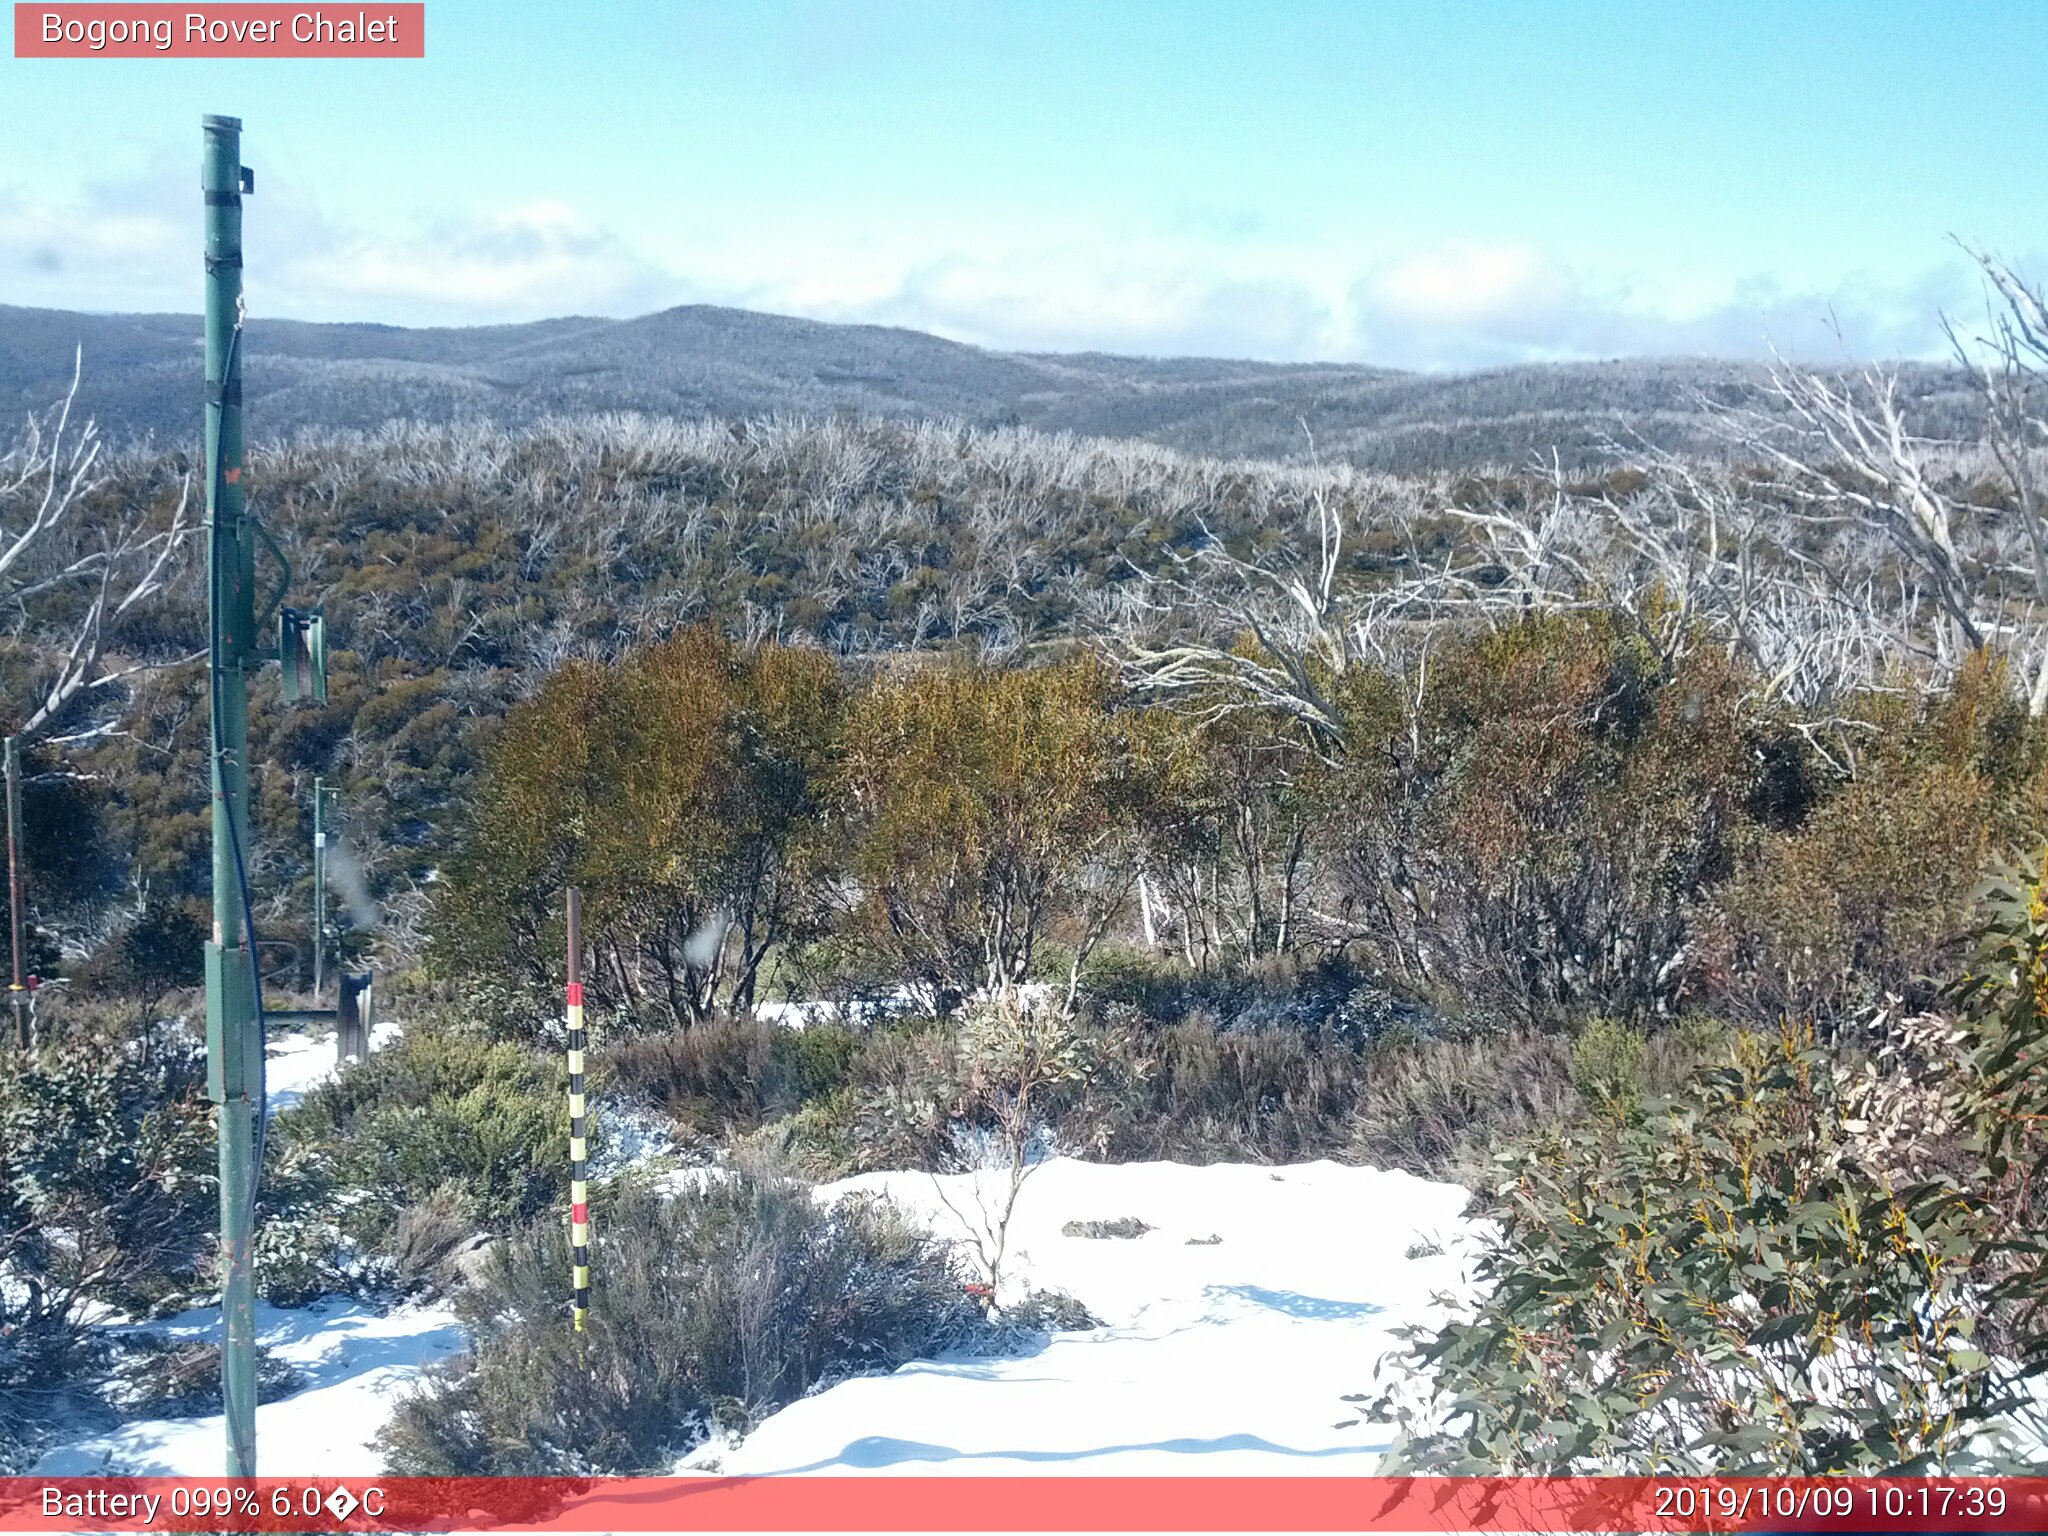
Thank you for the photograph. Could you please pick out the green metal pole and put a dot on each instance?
(234, 1061)
(319, 884)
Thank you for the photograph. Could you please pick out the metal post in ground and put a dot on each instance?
(234, 1037)
(17, 991)
(319, 885)
(354, 1017)
(579, 1149)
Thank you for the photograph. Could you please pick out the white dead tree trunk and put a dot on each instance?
(2009, 360)
(1857, 559)
(63, 583)
(1846, 454)
(1277, 635)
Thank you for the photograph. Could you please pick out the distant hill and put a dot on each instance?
(143, 379)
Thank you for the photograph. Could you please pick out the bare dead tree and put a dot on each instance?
(1698, 555)
(1968, 576)
(1275, 633)
(64, 581)
(2009, 361)
(1846, 454)
(1825, 579)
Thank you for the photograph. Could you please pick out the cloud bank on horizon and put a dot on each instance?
(1450, 305)
(1416, 183)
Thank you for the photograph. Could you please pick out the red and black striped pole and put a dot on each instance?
(579, 1147)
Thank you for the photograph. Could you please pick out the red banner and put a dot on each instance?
(887, 1503)
(243, 31)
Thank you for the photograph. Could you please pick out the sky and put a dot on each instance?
(1430, 185)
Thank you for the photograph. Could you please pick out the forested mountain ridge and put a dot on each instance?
(142, 373)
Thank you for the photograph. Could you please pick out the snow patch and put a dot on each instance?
(296, 1064)
(356, 1362)
(1219, 1357)
(1234, 1327)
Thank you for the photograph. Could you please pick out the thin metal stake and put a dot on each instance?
(319, 886)
(579, 1149)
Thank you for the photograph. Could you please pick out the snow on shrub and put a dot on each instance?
(711, 1307)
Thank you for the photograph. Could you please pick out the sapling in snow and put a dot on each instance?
(1014, 1055)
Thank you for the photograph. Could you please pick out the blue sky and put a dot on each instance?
(1427, 184)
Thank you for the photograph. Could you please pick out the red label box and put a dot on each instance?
(106, 29)
(1740, 1506)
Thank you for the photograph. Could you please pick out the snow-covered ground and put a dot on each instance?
(296, 1064)
(1234, 1328)
(354, 1362)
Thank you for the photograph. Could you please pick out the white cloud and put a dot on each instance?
(111, 240)
(522, 263)
(1064, 301)
(1476, 306)
(1186, 289)
(134, 244)
(1500, 287)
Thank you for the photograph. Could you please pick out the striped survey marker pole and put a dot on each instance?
(579, 1146)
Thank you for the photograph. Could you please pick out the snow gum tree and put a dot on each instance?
(983, 808)
(681, 789)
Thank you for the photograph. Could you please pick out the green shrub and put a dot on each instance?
(2003, 1048)
(1699, 1034)
(107, 1195)
(731, 1074)
(910, 1089)
(1197, 1093)
(1869, 892)
(504, 1146)
(1276, 994)
(160, 951)
(1867, 897)
(682, 790)
(713, 1306)
(1189, 1091)
(1270, 1095)
(107, 1182)
(817, 1058)
(818, 1143)
(1607, 1066)
(985, 806)
(1048, 1312)
(434, 1116)
(1129, 976)
(1536, 831)
(839, 969)
(314, 1238)
(1131, 1091)
(1442, 1107)
(427, 1235)
(1730, 1282)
